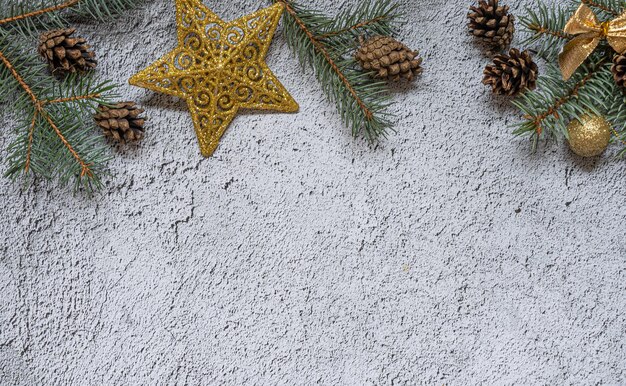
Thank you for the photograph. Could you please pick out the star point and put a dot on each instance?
(219, 67)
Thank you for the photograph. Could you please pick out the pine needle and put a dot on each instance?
(55, 134)
(327, 46)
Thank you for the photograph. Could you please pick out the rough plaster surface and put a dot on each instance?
(449, 254)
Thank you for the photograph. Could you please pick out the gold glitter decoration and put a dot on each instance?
(590, 136)
(590, 32)
(219, 68)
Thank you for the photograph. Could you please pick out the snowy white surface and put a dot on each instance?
(449, 254)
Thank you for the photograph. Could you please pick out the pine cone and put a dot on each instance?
(389, 58)
(619, 69)
(64, 53)
(492, 24)
(511, 74)
(121, 122)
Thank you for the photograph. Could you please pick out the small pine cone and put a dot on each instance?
(64, 53)
(121, 122)
(492, 24)
(619, 69)
(511, 74)
(389, 59)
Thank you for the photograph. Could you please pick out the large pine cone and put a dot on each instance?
(64, 53)
(389, 59)
(121, 122)
(619, 69)
(511, 74)
(492, 24)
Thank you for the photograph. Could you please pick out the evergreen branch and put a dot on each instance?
(103, 10)
(72, 99)
(611, 7)
(18, 78)
(544, 29)
(352, 28)
(41, 111)
(28, 20)
(554, 108)
(51, 116)
(324, 52)
(31, 134)
(556, 102)
(360, 100)
(39, 12)
(616, 114)
(80, 90)
(85, 168)
(539, 30)
(57, 144)
(591, 91)
(373, 17)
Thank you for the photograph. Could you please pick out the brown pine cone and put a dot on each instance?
(619, 69)
(492, 24)
(64, 53)
(121, 122)
(511, 74)
(388, 59)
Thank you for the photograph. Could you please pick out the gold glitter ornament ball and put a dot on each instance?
(590, 136)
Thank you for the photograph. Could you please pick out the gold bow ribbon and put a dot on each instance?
(590, 32)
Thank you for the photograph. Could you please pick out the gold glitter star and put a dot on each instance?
(219, 68)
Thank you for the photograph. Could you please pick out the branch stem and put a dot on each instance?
(31, 134)
(595, 4)
(319, 47)
(85, 170)
(554, 109)
(362, 24)
(19, 80)
(39, 109)
(72, 99)
(546, 31)
(39, 12)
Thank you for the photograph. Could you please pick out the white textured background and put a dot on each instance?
(297, 255)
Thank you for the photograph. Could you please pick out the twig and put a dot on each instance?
(20, 80)
(362, 24)
(545, 31)
(322, 50)
(595, 4)
(40, 12)
(553, 110)
(84, 167)
(31, 134)
(72, 99)
(39, 107)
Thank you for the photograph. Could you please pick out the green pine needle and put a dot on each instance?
(591, 90)
(55, 136)
(327, 46)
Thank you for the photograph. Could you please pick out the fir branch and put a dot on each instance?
(29, 19)
(40, 111)
(592, 90)
(371, 17)
(361, 101)
(544, 29)
(555, 103)
(53, 117)
(39, 12)
(610, 7)
(103, 10)
(31, 134)
(353, 28)
(616, 114)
